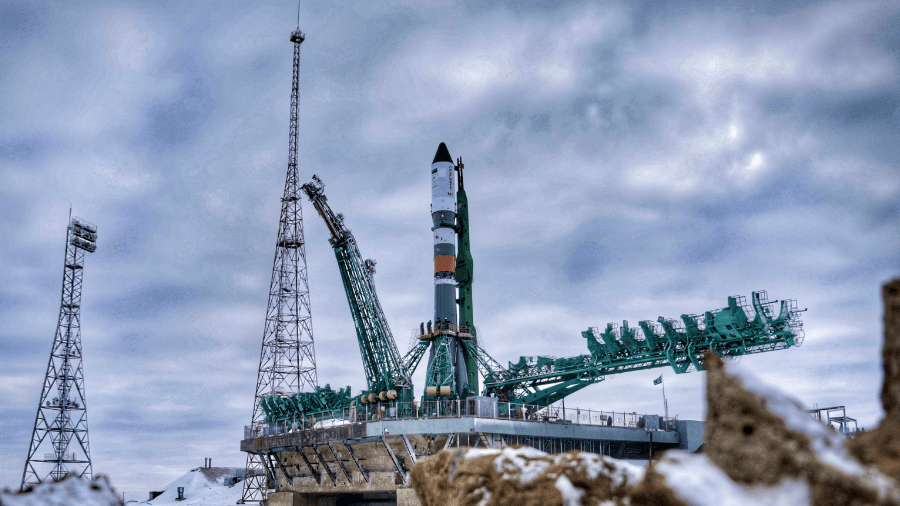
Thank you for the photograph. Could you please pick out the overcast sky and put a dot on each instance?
(623, 161)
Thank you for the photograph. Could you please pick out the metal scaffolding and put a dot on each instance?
(287, 362)
(62, 411)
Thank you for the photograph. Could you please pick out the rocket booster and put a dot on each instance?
(443, 215)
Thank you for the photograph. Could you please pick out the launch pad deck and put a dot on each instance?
(370, 461)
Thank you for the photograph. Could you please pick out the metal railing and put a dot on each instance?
(443, 328)
(466, 408)
(55, 456)
(836, 418)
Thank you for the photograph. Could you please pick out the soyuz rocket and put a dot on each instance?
(443, 216)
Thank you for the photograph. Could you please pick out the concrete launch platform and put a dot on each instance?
(369, 462)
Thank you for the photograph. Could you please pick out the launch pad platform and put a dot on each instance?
(370, 461)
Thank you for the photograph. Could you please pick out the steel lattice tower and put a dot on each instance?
(287, 363)
(62, 411)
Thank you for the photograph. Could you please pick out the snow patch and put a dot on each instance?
(485, 496)
(697, 481)
(622, 472)
(523, 464)
(481, 452)
(571, 495)
(70, 491)
(199, 489)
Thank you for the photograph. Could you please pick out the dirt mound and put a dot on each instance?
(521, 476)
(760, 437)
(881, 447)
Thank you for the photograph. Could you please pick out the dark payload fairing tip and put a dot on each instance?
(442, 155)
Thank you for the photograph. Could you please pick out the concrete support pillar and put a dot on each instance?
(298, 499)
(286, 499)
(407, 497)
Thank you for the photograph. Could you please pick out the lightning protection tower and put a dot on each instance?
(59, 440)
(287, 363)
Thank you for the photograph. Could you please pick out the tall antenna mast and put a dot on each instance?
(287, 363)
(59, 440)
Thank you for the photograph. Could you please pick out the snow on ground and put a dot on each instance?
(201, 487)
(699, 482)
(68, 492)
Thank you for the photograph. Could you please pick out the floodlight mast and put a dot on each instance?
(62, 410)
(287, 363)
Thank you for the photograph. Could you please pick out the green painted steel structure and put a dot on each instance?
(441, 372)
(733, 331)
(305, 404)
(736, 330)
(464, 276)
(386, 374)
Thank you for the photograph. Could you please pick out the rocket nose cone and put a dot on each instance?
(442, 155)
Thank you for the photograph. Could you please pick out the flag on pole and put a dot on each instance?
(658, 380)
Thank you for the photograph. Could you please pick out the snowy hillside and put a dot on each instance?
(202, 486)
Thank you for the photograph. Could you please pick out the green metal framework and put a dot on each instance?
(385, 370)
(441, 372)
(736, 330)
(733, 331)
(305, 404)
(464, 278)
(414, 356)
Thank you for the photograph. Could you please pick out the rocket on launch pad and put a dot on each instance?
(443, 215)
(446, 320)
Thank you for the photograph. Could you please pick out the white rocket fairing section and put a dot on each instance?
(443, 215)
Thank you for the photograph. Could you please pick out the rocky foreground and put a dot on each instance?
(70, 491)
(760, 448)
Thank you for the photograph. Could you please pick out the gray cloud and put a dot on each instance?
(623, 162)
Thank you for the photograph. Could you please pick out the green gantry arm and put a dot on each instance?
(738, 329)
